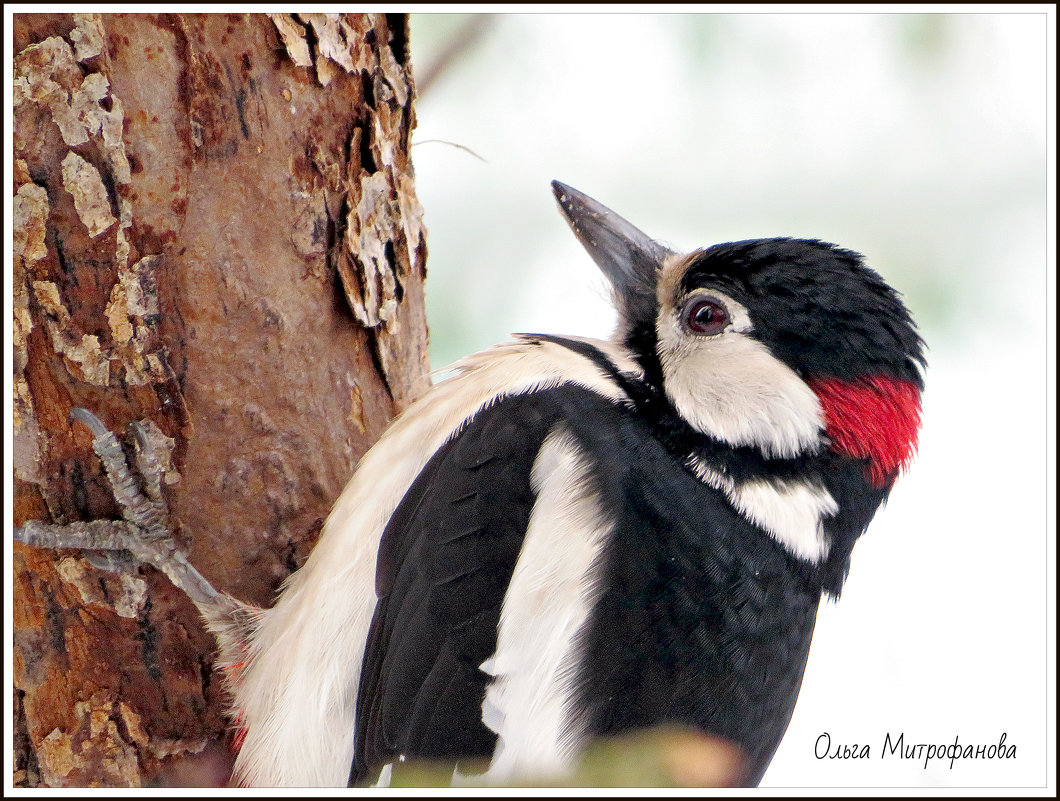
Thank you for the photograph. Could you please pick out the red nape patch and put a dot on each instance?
(875, 417)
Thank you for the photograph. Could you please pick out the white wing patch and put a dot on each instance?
(553, 586)
(298, 689)
(793, 512)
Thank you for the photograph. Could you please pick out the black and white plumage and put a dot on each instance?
(573, 538)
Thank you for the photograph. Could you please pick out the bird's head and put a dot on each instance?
(787, 346)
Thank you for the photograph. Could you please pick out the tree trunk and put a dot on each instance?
(216, 231)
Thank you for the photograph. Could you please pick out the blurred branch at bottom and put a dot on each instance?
(657, 757)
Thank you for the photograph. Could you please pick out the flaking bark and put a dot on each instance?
(216, 231)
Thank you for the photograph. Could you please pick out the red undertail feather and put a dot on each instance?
(875, 418)
(233, 673)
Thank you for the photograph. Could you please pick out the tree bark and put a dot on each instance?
(216, 231)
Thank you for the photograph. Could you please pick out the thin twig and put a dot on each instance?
(451, 144)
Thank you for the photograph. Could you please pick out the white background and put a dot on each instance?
(919, 140)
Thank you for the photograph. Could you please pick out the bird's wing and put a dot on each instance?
(298, 687)
(445, 562)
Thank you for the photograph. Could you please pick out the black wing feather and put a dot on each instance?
(445, 560)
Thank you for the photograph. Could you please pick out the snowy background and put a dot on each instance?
(919, 140)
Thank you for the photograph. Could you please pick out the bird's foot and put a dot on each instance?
(144, 535)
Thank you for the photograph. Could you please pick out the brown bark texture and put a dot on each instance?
(215, 230)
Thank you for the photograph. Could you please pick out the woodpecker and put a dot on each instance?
(574, 538)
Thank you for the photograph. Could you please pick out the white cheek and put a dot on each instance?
(732, 387)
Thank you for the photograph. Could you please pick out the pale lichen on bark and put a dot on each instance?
(382, 236)
(46, 74)
(29, 222)
(85, 111)
(132, 309)
(78, 573)
(82, 181)
(97, 742)
(293, 36)
(82, 351)
(356, 413)
(29, 226)
(87, 36)
(338, 42)
(210, 308)
(72, 170)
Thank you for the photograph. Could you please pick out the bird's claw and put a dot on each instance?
(86, 417)
(110, 561)
(145, 533)
(141, 505)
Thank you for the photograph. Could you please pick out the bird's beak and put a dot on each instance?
(627, 256)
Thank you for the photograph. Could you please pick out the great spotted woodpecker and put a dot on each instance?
(574, 538)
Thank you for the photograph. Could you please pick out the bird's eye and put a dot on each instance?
(706, 316)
